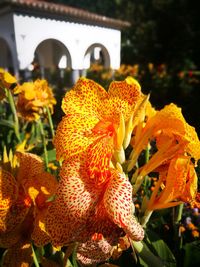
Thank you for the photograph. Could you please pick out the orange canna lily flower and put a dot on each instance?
(33, 98)
(167, 124)
(94, 200)
(84, 211)
(172, 136)
(95, 123)
(176, 185)
(24, 192)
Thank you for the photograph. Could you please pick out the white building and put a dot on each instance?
(56, 36)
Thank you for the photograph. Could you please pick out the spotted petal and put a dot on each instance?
(74, 203)
(123, 96)
(119, 205)
(74, 135)
(85, 98)
(8, 190)
(39, 234)
(19, 255)
(93, 252)
(40, 187)
(30, 165)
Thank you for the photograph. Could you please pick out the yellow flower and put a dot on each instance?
(24, 192)
(171, 133)
(95, 123)
(6, 81)
(93, 200)
(33, 98)
(177, 184)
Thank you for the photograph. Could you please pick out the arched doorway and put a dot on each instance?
(51, 59)
(96, 54)
(5, 56)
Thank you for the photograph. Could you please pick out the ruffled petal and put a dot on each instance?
(194, 143)
(191, 187)
(169, 118)
(14, 204)
(119, 206)
(8, 190)
(74, 135)
(85, 98)
(30, 165)
(123, 97)
(19, 228)
(99, 155)
(18, 256)
(39, 234)
(128, 90)
(175, 180)
(75, 201)
(40, 187)
(93, 252)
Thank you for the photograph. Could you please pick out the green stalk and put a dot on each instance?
(50, 121)
(74, 255)
(44, 142)
(179, 213)
(147, 155)
(13, 109)
(147, 256)
(68, 252)
(146, 218)
(35, 260)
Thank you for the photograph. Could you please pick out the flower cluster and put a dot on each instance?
(114, 152)
(25, 190)
(94, 193)
(33, 98)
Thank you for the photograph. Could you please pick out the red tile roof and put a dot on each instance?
(62, 10)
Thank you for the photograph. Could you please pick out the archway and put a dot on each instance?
(96, 54)
(51, 58)
(6, 61)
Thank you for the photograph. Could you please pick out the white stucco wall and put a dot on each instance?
(30, 31)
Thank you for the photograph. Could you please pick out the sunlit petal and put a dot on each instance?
(119, 205)
(74, 135)
(85, 98)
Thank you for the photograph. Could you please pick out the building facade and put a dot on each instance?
(56, 36)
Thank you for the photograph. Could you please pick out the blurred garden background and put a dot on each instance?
(160, 49)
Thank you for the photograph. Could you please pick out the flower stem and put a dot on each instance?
(50, 121)
(68, 252)
(179, 213)
(12, 106)
(147, 256)
(146, 217)
(147, 155)
(74, 255)
(44, 143)
(35, 260)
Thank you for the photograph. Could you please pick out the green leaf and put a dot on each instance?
(143, 263)
(161, 249)
(7, 123)
(192, 252)
(51, 155)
